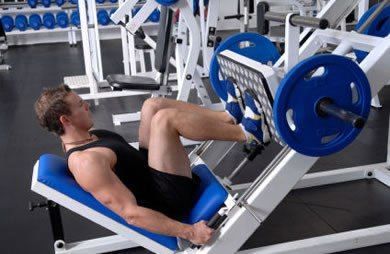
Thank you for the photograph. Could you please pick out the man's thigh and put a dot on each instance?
(181, 105)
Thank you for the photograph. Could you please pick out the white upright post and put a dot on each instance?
(292, 44)
(98, 56)
(363, 7)
(187, 77)
(125, 49)
(212, 20)
(85, 36)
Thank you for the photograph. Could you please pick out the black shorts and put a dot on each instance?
(173, 194)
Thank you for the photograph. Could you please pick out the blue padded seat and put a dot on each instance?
(53, 172)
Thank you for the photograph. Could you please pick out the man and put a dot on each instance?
(151, 188)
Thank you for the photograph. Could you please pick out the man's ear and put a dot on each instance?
(65, 120)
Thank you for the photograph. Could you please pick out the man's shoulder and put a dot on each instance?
(84, 158)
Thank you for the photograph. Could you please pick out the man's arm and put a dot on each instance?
(92, 171)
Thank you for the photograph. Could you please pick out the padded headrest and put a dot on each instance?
(210, 196)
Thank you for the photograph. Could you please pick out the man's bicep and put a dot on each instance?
(96, 177)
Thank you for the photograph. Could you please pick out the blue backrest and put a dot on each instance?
(210, 196)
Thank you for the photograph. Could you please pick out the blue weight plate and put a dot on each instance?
(380, 27)
(261, 49)
(296, 120)
(167, 2)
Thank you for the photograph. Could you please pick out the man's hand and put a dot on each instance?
(201, 233)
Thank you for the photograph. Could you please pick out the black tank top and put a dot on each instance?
(131, 166)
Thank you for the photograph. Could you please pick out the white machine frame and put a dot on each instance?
(213, 152)
(288, 170)
(189, 74)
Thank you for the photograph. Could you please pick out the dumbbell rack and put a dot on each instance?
(30, 36)
(71, 34)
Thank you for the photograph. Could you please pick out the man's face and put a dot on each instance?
(80, 116)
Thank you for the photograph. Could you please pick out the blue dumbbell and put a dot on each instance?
(62, 19)
(32, 3)
(60, 2)
(103, 18)
(99, 1)
(49, 20)
(21, 22)
(35, 21)
(73, 1)
(8, 23)
(46, 3)
(75, 18)
(113, 1)
(155, 16)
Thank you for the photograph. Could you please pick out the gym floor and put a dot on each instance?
(303, 213)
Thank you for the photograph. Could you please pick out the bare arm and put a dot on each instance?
(92, 171)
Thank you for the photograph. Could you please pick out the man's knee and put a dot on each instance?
(165, 118)
(153, 105)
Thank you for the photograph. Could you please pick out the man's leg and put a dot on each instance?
(167, 154)
(153, 105)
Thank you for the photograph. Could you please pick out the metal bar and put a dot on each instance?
(292, 44)
(98, 245)
(326, 107)
(331, 177)
(334, 11)
(329, 243)
(55, 220)
(266, 194)
(337, 176)
(185, 81)
(298, 20)
(375, 14)
(106, 95)
(277, 160)
(383, 175)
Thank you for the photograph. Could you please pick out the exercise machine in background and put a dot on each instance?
(190, 41)
(3, 48)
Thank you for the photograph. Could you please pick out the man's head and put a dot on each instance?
(59, 109)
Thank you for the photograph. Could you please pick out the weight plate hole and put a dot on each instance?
(355, 95)
(315, 73)
(381, 23)
(246, 44)
(329, 138)
(290, 119)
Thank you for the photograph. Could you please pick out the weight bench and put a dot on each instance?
(119, 82)
(52, 179)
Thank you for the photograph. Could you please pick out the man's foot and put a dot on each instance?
(234, 104)
(253, 122)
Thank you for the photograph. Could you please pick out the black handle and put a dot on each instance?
(213, 223)
(262, 23)
(216, 221)
(251, 6)
(32, 206)
(235, 16)
(327, 107)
